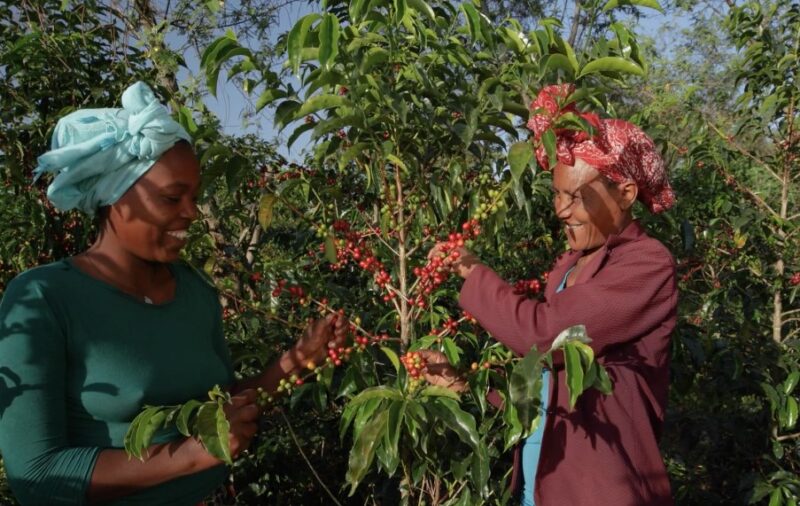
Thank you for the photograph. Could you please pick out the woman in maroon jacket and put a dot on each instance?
(621, 285)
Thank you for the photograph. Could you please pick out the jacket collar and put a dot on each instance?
(632, 232)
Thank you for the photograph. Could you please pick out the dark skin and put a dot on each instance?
(139, 235)
(591, 208)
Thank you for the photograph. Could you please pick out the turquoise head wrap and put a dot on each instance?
(97, 154)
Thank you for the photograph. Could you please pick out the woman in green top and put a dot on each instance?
(87, 341)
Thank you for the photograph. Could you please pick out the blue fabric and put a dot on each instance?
(532, 448)
(97, 154)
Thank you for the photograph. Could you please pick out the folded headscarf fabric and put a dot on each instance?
(98, 154)
(619, 150)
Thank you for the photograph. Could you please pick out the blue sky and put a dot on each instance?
(231, 104)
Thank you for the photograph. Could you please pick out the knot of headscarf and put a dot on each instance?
(98, 154)
(618, 149)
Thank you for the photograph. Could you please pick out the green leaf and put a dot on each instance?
(611, 64)
(297, 132)
(363, 450)
(451, 350)
(772, 395)
(603, 381)
(184, 420)
(265, 210)
(392, 356)
(356, 6)
(775, 498)
(574, 369)
(328, 40)
(558, 61)
(297, 39)
(330, 249)
(456, 419)
(791, 413)
(187, 121)
(268, 96)
(791, 382)
(213, 429)
(524, 389)
(379, 392)
(397, 162)
(652, 4)
(437, 391)
(549, 143)
(423, 7)
(141, 430)
(374, 56)
(520, 155)
(397, 411)
(516, 109)
(319, 102)
(480, 470)
(513, 428)
(400, 10)
(286, 113)
(473, 21)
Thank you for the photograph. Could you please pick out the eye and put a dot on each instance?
(171, 199)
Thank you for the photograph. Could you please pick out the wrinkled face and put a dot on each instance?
(151, 219)
(589, 206)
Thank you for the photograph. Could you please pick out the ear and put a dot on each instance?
(628, 191)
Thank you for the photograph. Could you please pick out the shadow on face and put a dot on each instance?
(149, 219)
(590, 206)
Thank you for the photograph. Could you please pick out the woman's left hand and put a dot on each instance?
(439, 372)
(463, 264)
(318, 336)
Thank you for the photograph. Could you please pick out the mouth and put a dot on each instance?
(569, 226)
(180, 235)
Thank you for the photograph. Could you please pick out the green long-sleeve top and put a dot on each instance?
(79, 359)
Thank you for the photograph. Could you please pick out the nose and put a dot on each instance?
(563, 209)
(189, 209)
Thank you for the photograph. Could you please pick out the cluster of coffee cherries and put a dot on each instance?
(527, 287)
(415, 365)
(469, 318)
(495, 203)
(436, 271)
(795, 279)
(448, 327)
(353, 247)
(295, 291)
(338, 355)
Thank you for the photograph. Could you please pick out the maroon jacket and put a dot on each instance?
(605, 451)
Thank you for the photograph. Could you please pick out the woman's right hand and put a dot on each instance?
(439, 372)
(242, 414)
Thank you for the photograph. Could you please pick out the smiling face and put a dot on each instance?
(590, 207)
(151, 219)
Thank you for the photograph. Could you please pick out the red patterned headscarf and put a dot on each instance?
(619, 150)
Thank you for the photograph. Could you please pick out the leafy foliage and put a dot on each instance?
(435, 95)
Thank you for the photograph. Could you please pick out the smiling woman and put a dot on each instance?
(147, 228)
(91, 339)
(617, 282)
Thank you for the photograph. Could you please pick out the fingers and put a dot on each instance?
(433, 356)
(248, 396)
(436, 251)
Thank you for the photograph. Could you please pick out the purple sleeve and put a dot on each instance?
(631, 295)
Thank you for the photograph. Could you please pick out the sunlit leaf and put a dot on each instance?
(652, 4)
(611, 64)
(265, 210)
